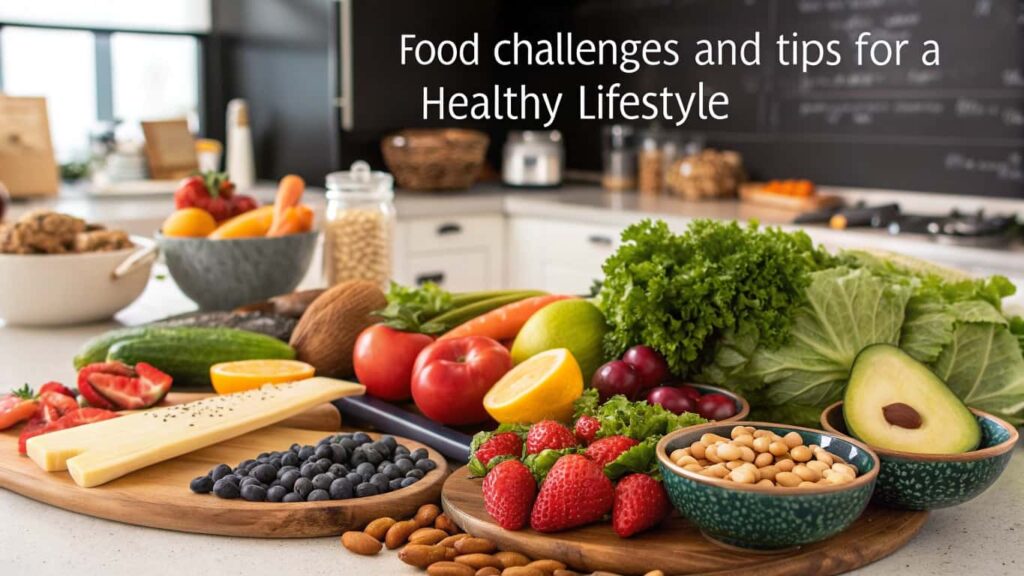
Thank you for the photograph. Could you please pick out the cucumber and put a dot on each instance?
(453, 318)
(184, 353)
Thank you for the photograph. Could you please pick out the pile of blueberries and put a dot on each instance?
(339, 467)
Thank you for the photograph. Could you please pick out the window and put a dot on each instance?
(60, 65)
(154, 77)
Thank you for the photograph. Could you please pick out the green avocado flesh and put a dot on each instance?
(895, 402)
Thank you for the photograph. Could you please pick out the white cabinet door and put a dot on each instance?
(463, 253)
(557, 255)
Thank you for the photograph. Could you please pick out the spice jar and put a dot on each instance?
(360, 221)
(619, 156)
(650, 172)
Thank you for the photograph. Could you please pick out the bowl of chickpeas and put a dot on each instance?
(766, 487)
(915, 481)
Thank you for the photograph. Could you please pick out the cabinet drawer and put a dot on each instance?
(432, 234)
(461, 271)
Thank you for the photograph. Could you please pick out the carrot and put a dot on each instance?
(505, 322)
(297, 219)
(289, 192)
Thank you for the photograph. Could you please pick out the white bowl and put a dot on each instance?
(61, 289)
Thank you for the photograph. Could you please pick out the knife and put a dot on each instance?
(392, 419)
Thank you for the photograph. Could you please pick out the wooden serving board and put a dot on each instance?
(677, 547)
(159, 497)
(754, 193)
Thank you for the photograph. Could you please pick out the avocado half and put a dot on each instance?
(895, 402)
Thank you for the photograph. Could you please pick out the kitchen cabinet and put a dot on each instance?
(461, 253)
(559, 256)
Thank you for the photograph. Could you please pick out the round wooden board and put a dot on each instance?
(677, 547)
(159, 497)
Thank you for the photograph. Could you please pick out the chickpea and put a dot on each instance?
(744, 475)
(761, 443)
(693, 467)
(778, 448)
(747, 454)
(787, 479)
(697, 450)
(763, 460)
(785, 465)
(744, 440)
(845, 469)
(805, 485)
(716, 471)
(768, 472)
(801, 453)
(676, 455)
(793, 440)
(824, 457)
(712, 454)
(709, 439)
(806, 473)
(766, 482)
(762, 434)
(733, 464)
(728, 452)
(817, 465)
(740, 431)
(685, 460)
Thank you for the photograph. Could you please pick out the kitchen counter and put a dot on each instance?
(981, 537)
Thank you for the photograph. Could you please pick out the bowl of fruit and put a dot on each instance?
(766, 487)
(642, 374)
(223, 258)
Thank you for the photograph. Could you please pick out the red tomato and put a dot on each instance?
(383, 359)
(451, 377)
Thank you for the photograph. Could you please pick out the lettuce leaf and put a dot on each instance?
(637, 420)
(642, 459)
(984, 367)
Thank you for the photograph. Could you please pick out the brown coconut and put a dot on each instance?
(326, 334)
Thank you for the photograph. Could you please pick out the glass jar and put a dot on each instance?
(619, 155)
(358, 232)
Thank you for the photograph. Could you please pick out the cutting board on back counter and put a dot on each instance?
(159, 497)
(677, 547)
(754, 193)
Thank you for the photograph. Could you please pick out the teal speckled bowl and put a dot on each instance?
(928, 481)
(768, 519)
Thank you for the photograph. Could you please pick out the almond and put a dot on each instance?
(360, 543)
(426, 515)
(443, 522)
(451, 540)
(399, 533)
(450, 553)
(475, 546)
(521, 571)
(421, 555)
(510, 559)
(478, 561)
(655, 573)
(488, 571)
(566, 573)
(546, 566)
(427, 536)
(450, 569)
(379, 527)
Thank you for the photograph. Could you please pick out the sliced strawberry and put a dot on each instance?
(57, 402)
(80, 417)
(132, 393)
(85, 387)
(56, 387)
(33, 427)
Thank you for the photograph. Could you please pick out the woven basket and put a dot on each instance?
(441, 159)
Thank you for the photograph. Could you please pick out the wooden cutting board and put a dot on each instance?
(754, 193)
(159, 497)
(677, 547)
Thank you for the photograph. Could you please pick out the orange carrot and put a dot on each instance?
(505, 322)
(297, 220)
(289, 192)
(305, 216)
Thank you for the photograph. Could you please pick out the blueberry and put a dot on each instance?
(317, 495)
(225, 489)
(426, 465)
(288, 479)
(366, 489)
(220, 471)
(355, 478)
(323, 451)
(309, 470)
(337, 470)
(285, 469)
(406, 482)
(415, 473)
(361, 437)
(324, 464)
(382, 448)
(389, 441)
(290, 459)
(247, 481)
(275, 462)
(395, 484)
(419, 454)
(305, 452)
(254, 493)
(380, 481)
(295, 448)
(366, 469)
(322, 481)
(348, 444)
(201, 485)
(292, 497)
(264, 473)
(358, 457)
(392, 471)
(325, 440)
(401, 449)
(373, 456)
(274, 483)
(303, 486)
(247, 464)
(404, 465)
(236, 480)
(276, 493)
(338, 453)
(340, 489)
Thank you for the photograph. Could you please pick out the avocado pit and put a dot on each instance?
(902, 415)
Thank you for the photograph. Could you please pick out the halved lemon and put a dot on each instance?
(543, 387)
(230, 377)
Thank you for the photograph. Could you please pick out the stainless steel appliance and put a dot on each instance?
(533, 158)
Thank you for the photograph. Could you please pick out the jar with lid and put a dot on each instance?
(359, 228)
(619, 156)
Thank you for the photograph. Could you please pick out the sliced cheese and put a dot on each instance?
(98, 453)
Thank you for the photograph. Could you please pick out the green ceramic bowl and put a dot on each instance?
(768, 519)
(927, 481)
(742, 406)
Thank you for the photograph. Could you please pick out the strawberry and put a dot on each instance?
(72, 419)
(640, 503)
(504, 444)
(575, 492)
(56, 387)
(509, 490)
(86, 389)
(586, 429)
(548, 434)
(608, 449)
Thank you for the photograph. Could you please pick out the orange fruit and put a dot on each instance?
(251, 224)
(230, 377)
(189, 223)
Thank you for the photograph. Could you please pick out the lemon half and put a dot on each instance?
(230, 377)
(543, 387)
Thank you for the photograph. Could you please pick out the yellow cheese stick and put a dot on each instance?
(98, 453)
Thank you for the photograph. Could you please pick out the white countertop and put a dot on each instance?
(983, 536)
